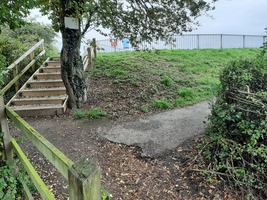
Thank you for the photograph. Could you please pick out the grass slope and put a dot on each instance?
(154, 80)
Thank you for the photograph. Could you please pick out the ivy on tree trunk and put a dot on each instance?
(72, 67)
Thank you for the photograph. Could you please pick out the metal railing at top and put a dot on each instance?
(187, 41)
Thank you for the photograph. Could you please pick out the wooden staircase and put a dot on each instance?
(43, 94)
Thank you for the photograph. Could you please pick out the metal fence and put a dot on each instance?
(188, 41)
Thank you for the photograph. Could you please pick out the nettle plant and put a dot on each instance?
(235, 143)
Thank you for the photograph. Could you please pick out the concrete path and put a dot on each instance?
(161, 132)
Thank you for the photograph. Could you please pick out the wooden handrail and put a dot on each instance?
(55, 156)
(83, 176)
(26, 54)
(14, 66)
(38, 182)
(16, 78)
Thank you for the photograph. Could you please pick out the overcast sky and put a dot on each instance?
(237, 17)
(246, 17)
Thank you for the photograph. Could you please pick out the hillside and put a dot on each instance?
(138, 83)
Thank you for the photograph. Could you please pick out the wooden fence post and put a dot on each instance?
(94, 45)
(5, 130)
(89, 56)
(84, 181)
(15, 73)
(31, 56)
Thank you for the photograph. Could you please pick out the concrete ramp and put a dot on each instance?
(161, 132)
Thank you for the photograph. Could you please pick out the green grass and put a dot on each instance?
(79, 114)
(161, 104)
(181, 77)
(144, 108)
(94, 113)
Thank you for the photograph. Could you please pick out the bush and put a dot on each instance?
(235, 142)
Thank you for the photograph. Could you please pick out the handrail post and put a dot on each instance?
(84, 181)
(15, 73)
(5, 130)
(32, 56)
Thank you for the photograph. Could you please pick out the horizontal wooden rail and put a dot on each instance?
(15, 79)
(36, 179)
(55, 156)
(37, 45)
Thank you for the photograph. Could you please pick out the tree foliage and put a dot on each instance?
(13, 13)
(138, 20)
(13, 43)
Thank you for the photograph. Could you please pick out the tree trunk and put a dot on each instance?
(72, 67)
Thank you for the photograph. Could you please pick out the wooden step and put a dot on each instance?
(45, 83)
(47, 76)
(39, 110)
(54, 59)
(40, 100)
(50, 70)
(42, 92)
(52, 63)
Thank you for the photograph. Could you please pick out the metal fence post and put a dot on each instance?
(221, 41)
(197, 41)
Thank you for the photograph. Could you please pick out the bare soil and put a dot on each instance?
(125, 173)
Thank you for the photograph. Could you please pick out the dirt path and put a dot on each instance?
(126, 173)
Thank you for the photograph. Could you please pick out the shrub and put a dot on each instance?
(235, 142)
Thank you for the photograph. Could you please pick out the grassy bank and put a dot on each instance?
(165, 78)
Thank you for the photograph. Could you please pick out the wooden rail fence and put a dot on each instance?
(84, 177)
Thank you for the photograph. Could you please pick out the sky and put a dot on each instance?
(246, 17)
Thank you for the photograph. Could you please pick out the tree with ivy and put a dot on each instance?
(139, 20)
